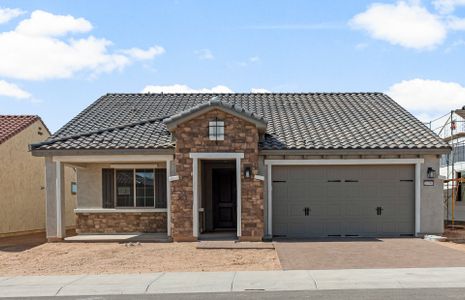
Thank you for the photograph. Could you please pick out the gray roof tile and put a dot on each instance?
(306, 121)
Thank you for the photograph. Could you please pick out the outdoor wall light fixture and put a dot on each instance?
(247, 171)
(431, 173)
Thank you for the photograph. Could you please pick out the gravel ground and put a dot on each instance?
(105, 258)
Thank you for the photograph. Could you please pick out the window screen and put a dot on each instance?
(124, 188)
(145, 192)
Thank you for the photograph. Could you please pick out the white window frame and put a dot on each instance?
(135, 190)
(216, 136)
(416, 162)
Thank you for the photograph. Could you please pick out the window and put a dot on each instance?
(145, 192)
(139, 188)
(73, 188)
(216, 130)
(134, 188)
(125, 188)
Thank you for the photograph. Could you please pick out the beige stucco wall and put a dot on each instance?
(22, 184)
(432, 199)
(90, 186)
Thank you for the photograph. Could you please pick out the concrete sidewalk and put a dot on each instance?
(158, 283)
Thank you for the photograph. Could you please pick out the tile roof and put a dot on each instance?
(215, 102)
(299, 121)
(11, 125)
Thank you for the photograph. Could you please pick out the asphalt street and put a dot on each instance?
(362, 294)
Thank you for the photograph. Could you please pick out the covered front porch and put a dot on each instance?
(120, 196)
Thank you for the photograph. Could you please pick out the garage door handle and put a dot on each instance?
(379, 210)
(306, 211)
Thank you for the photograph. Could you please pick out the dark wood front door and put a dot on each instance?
(224, 198)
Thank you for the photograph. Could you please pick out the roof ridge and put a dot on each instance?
(51, 141)
(29, 116)
(250, 93)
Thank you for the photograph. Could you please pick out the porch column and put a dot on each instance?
(55, 200)
(168, 198)
(417, 198)
(195, 200)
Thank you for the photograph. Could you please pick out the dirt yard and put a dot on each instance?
(104, 258)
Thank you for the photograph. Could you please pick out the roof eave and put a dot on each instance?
(412, 151)
(79, 152)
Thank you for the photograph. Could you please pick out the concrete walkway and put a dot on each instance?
(158, 283)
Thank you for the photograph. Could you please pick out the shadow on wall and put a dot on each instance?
(25, 242)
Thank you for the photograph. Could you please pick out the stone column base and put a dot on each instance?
(54, 239)
(250, 239)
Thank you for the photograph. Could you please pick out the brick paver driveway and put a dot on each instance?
(360, 253)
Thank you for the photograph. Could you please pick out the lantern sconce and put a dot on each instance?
(247, 171)
(431, 173)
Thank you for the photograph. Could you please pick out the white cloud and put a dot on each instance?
(428, 99)
(254, 59)
(361, 46)
(204, 54)
(12, 90)
(7, 14)
(447, 6)
(259, 91)
(455, 23)
(141, 54)
(34, 51)
(406, 24)
(42, 23)
(184, 89)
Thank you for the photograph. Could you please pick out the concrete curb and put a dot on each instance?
(201, 282)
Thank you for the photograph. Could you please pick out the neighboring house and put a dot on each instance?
(254, 165)
(22, 177)
(452, 164)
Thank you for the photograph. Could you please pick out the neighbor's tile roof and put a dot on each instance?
(11, 125)
(305, 121)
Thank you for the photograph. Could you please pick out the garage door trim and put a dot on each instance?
(269, 163)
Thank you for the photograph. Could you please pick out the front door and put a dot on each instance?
(224, 198)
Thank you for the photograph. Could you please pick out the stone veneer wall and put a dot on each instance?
(120, 222)
(240, 136)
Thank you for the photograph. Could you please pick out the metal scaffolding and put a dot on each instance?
(451, 128)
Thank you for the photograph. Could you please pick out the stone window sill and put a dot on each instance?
(119, 210)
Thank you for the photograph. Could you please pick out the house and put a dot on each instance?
(22, 177)
(253, 165)
(452, 165)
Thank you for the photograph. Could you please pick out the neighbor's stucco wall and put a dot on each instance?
(22, 184)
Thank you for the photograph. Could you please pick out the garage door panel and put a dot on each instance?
(280, 228)
(333, 227)
(346, 207)
(297, 210)
(353, 228)
(297, 229)
(280, 209)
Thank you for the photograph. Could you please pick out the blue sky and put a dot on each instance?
(60, 56)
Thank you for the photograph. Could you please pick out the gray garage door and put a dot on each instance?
(316, 201)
